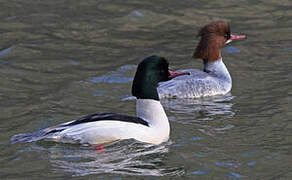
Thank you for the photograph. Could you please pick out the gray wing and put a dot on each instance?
(195, 85)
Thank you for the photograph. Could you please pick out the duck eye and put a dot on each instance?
(227, 36)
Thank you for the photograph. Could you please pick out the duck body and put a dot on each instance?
(214, 80)
(144, 128)
(150, 125)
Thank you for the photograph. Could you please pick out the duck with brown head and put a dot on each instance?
(215, 79)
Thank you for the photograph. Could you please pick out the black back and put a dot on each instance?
(100, 117)
(108, 116)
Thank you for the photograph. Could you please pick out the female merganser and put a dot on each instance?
(151, 124)
(215, 79)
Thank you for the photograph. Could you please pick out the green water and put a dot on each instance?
(60, 60)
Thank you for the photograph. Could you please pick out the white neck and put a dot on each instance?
(152, 112)
(218, 69)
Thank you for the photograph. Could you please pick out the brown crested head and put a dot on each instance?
(213, 36)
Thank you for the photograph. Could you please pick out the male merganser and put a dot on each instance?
(215, 79)
(151, 124)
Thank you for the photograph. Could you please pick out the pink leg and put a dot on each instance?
(98, 147)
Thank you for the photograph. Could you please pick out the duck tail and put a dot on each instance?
(51, 132)
(27, 137)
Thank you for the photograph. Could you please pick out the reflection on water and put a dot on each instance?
(119, 76)
(204, 108)
(209, 115)
(124, 157)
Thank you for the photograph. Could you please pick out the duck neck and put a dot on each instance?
(152, 111)
(217, 68)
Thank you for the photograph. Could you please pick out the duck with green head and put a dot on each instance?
(150, 126)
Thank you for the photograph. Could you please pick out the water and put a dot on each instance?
(60, 60)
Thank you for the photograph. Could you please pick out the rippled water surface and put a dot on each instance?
(60, 60)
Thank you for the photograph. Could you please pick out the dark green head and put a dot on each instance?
(150, 72)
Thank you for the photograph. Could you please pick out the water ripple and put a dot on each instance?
(123, 157)
(6, 51)
(231, 50)
(235, 175)
(287, 49)
(226, 164)
(115, 76)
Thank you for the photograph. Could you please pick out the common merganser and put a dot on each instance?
(150, 126)
(215, 79)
